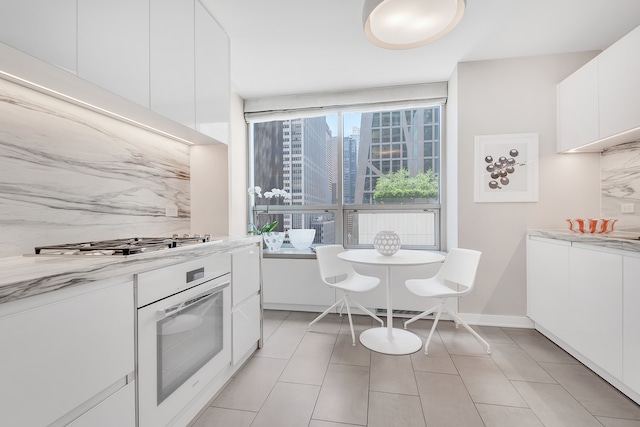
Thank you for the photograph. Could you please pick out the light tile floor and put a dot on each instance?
(316, 378)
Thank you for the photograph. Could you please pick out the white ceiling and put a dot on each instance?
(283, 47)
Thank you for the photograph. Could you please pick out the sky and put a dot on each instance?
(350, 120)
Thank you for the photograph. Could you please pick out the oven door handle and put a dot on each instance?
(170, 311)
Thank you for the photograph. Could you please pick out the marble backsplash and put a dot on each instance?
(620, 184)
(71, 175)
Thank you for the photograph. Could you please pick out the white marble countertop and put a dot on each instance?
(623, 240)
(28, 275)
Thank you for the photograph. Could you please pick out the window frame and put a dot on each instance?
(340, 210)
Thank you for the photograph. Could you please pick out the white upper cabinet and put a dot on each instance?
(172, 60)
(620, 86)
(599, 105)
(578, 120)
(212, 76)
(44, 29)
(113, 46)
(162, 58)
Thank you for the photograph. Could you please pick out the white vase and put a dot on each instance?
(387, 242)
(273, 240)
(302, 238)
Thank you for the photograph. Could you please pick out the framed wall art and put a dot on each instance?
(506, 168)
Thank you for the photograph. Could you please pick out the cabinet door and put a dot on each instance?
(44, 29)
(288, 282)
(548, 284)
(211, 76)
(245, 273)
(172, 60)
(119, 410)
(631, 338)
(596, 307)
(56, 357)
(578, 120)
(619, 89)
(113, 46)
(246, 327)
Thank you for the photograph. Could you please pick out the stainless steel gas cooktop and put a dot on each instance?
(132, 246)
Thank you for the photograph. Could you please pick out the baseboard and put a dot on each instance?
(472, 319)
(497, 320)
(296, 307)
(615, 382)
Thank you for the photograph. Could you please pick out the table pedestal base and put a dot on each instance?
(403, 342)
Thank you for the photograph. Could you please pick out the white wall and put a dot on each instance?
(238, 161)
(515, 96)
(218, 174)
(209, 190)
(450, 151)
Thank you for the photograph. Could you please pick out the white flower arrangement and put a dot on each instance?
(257, 192)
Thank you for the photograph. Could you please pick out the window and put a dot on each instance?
(351, 175)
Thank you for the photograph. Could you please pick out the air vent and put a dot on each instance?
(402, 313)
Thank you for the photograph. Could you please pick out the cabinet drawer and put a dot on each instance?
(119, 409)
(56, 357)
(245, 273)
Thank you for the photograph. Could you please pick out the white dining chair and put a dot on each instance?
(459, 269)
(339, 274)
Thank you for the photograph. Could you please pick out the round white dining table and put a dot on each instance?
(390, 340)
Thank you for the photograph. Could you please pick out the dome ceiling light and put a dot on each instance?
(404, 24)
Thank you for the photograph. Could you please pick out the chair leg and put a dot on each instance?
(353, 335)
(433, 327)
(342, 300)
(468, 328)
(420, 316)
(357, 304)
(341, 307)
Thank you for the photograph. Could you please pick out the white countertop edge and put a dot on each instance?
(615, 240)
(28, 275)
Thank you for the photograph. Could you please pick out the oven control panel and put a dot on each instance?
(157, 284)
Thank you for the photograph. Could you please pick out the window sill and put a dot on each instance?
(289, 253)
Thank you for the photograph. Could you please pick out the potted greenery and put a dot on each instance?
(398, 187)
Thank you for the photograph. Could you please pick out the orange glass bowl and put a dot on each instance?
(591, 225)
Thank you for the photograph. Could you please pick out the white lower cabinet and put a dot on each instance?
(585, 298)
(119, 410)
(246, 327)
(595, 307)
(295, 284)
(60, 355)
(290, 283)
(631, 322)
(246, 311)
(548, 290)
(245, 273)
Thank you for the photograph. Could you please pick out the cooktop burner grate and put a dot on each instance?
(130, 246)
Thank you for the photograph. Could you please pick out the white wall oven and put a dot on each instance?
(183, 335)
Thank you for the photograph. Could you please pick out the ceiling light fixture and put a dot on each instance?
(404, 24)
